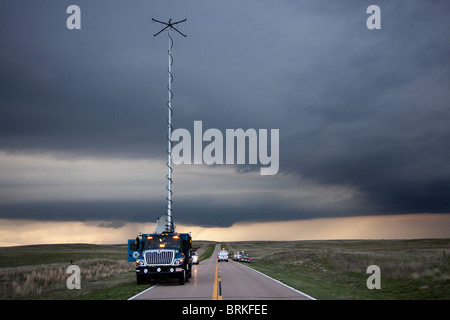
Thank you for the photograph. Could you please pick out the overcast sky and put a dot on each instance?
(363, 115)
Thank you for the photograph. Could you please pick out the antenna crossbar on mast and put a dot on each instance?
(170, 25)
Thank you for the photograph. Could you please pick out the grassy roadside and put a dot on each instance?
(410, 269)
(208, 252)
(117, 287)
(40, 272)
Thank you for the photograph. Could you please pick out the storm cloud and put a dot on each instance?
(363, 114)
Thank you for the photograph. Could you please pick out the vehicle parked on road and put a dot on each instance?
(195, 258)
(222, 256)
(245, 258)
(237, 255)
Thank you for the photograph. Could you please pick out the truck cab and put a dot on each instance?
(164, 255)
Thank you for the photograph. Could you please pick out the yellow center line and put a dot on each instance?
(220, 288)
(215, 295)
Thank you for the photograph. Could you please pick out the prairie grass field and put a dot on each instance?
(409, 269)
(334, 269)
(39, 271)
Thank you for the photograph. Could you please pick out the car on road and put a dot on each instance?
(222, 256)
(195, 258)
(237, 255)
(245, 258)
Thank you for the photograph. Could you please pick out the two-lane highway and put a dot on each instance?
(239, 282)
(224, 280)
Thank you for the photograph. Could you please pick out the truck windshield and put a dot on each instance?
(161, 242)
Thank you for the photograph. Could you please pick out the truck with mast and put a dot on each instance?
(162, 254)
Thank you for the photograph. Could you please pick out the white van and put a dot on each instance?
(222, 256)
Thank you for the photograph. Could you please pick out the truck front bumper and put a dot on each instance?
(159, 270)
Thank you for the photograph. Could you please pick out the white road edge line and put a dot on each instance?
(298, 291)
(137, 295)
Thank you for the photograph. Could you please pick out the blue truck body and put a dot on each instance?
(164, 255)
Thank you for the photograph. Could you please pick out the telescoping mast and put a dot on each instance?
(164, 253)
(169, 227)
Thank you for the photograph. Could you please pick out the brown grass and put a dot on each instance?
(29, 281)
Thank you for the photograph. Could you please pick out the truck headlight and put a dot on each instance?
(179, 258)
(139, 263)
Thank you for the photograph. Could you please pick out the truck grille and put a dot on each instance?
(159, 257)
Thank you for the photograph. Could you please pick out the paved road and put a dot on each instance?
(225, 280)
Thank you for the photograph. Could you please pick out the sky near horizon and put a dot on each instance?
(363, 118)
(405, 226)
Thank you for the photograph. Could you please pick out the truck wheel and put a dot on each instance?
(182, 278)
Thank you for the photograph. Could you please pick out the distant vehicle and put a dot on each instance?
(245, 258)
(195, 258)
(222, 256)
(237, 255)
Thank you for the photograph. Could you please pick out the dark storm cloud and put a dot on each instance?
(367, 109)
(198, 211)
(380, 120)
(86, 91)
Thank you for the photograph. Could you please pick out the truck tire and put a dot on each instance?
(182, 278)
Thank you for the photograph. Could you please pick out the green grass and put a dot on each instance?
(117, 287)
(410, 269)
(57, 253)
(39, 272)
(208, 252)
